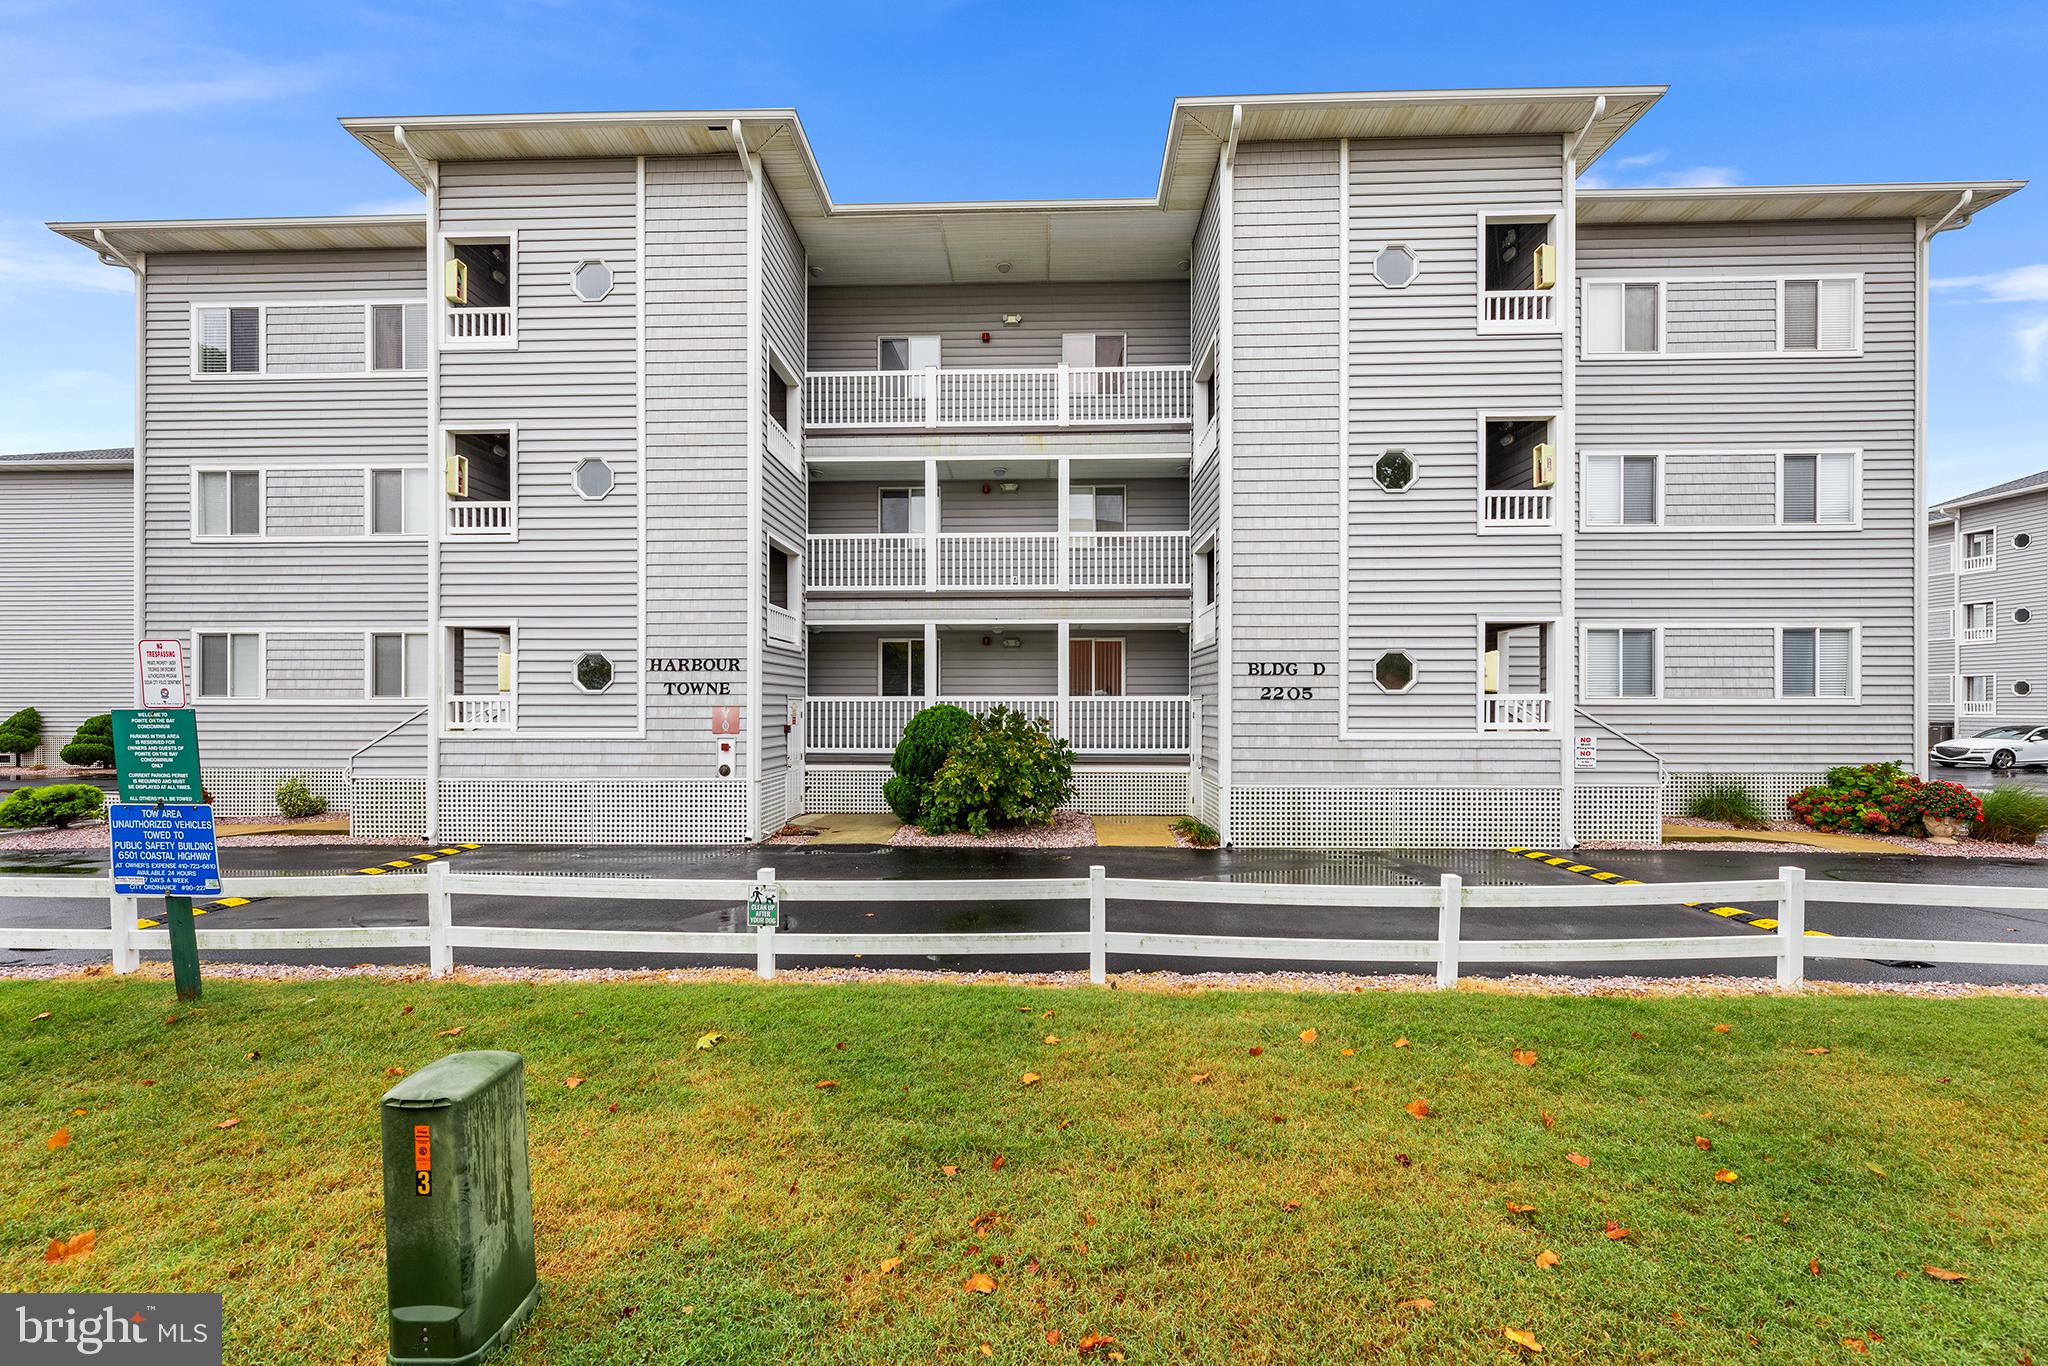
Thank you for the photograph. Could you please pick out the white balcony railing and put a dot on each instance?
(866, 561)
(1127, 559)
(1047, 396)
(490, 711)
(1515, 711)
(1979, 635)
(999, 559)
(1518, 507)
(479, 325)
(1975, 563)
(1977, 706)
(782, 626)
(1520, 307)
(1093, 725)
(478, 519)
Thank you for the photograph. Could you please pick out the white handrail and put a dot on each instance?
(479, 323)
(1518, 507)
(471, 517)
(1138, 724)
(1523, 307)
(999, 559)
(1128, 559)
(1515, 711)
(999, 396)
(1787, 945)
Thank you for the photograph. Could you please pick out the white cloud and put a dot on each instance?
(35, 260)
(2032, 341)
(409, 204)
(2021, 284)
(1633, 173)
(62, 97)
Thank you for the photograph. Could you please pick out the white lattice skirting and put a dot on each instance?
(511, 812)
(1097, 791)
(243, 792)
(1394, 818)
(1618, 812)
(388, 808)
(1772, 788)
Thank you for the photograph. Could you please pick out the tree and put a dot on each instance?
(21, 732)
(58, 804)
(92, 745)
(928, 737)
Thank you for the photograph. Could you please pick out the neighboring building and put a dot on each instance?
(67, 541)
(1296, 494)
(1987, 609)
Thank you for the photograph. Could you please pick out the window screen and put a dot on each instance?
(387, 337)
(230, 503)
(230, 341)
(903, 668)
(398, 665)
(1820, 315)
(230, 666)
(1817, 662)
(902, 512)
(1802, 315)
(1621, 490)
(1639, 318)
(1621, 662)
(1801, 493)
(1820, 489)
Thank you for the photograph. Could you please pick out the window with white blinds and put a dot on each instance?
(228, 503)
(398, 336)
(398, 664)
(1622, 318)
(1818, 315)
(398, 502)
(1621, 662)
(231, 665)
(1818, 489)
(1817, 662)
(1620, 490)
(228, 341)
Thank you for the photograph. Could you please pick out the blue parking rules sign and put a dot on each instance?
(163, 851)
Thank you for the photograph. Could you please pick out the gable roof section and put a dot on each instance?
(109, 457)
(1783, 203)
(2011, 488)
(347, 233)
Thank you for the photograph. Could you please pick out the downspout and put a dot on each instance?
(1565, 649)
(756, 589)
(437, 525)
(1226, 252)
(138, 265)
(1921, 251)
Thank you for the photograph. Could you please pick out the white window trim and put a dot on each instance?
(785, 442)
(577, 682)
(907, 338)
(1991, 612)
(370, 335)
(1125, 337)
(1414, 671)
(1656, 693)
(1372, 475)
(370, 473)
(1855, 630)
(1372, 271)
(1204, 373)
(1123, 665)
(263, 371)
(795, 610)
(1960, 548)
(578, 463)
(262, 664)
(1480, 490)
(1586, 456)
(446, 645)
(1855, 316)
(1067, 513)
(1202, 630)
(575, 270)
(1776, 279)
(916, 494)
(437, 290)
(1560, 714)
(262, 532)
(1551, 214)
(931, 692)
(1855, 522)
(370, 693)
(437, 478)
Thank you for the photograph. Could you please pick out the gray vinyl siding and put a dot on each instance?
(402, 753)
(1733, 661)
(2018, 579)
(1421, 581)
(1735, 315)
(68, 654)
(315, 664)
(285, 424)
(1718, 489)
(846, 321)
(1202, 658)
(317, 502)
(327, 339)
(783, 284)
(1751, 579)
(1205, 274)
(1941, 643)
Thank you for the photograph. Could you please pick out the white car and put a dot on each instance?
(2001, 748)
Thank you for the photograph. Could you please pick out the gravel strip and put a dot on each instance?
(94, 836)
(60, 771)
(1965, 848)
(1177, 983)
(1069, 830)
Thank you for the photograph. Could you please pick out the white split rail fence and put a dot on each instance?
(1787, 944)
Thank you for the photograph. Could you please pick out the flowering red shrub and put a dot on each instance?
(1881, 799)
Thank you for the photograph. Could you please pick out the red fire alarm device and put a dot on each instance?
(984, 336)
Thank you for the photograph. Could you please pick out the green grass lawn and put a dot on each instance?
(719, 1206)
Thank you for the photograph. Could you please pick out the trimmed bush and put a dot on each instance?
(1729, 801)
(295, 801)
(1007, 770)
(92, 744)
(928, 737)
(2013, 814)
(58, 805)
(1864, 799)
(21, 732)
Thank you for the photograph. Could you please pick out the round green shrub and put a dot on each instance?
(21, 732)
(928, 737)
(900, 791)
(58, 805)
(296, 801)
(1008, 770)
(92, 744)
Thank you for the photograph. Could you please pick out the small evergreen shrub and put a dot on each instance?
(92, 744)
(1726, 800)
(21, 732)
(1197, 832)
(2012, 814)
(296, 801)
(58, 805)
(928, 737)
(1006, 770)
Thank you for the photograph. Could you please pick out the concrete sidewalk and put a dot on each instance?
(1813, 839)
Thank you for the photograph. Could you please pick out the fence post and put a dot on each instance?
(1792, 929)
(1450, 903)
(764, 936)
(1098, 927)
(122, 944)
(440, 954)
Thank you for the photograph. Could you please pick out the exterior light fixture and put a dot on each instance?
(1002, 267)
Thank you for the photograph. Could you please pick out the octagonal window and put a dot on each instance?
(1395, 267)
(1394, 471)
(594, 478)
(591, 280)
(1394, 671)
(593, 672)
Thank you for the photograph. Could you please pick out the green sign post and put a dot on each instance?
(156, 759)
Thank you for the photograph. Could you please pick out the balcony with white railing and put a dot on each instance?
(1977, 706)
(1979, 635)
(1532, 308)
(1127, 559)
(1976, 564)
(486, 711)
(474, 326)
(470, 517)
(1515, 711)
(866, 561)
(1093, 725)
(1518, 507)
(1045, 396)
(998, 561)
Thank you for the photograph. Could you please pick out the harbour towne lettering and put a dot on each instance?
(695, 664)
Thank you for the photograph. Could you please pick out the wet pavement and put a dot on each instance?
(1588, 918)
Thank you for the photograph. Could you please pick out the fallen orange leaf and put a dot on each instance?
(60, 1139)
(394, 1071)
(1941, 1275)
(824, 1085)
(1350, 1053)
(451, 1033)
(1526, 1057)
(1704, 1144)
(1725, 1177)
(1615, 1232)
(987, 1349)
(889, 1264)
(1523, 1338)
(997, 1165)
(1052, 1337)
(1256, 1050)
(1400, 1043)
(1722, 1028)
(1516, 1207)
(1200, 1077)
(1052, 1038)
(1030, 1079)
(572, 1082)
(950, 1171)
(227, 1124)
(1308, 1036)
(1095, 1342)
(1816, 1052)
(1547, 1259)
(1291, 1206)
(1578, 1159)
(1813, 1267)
(1418, 1108)
(64, 1249)
(1419, 1302)
(981, 1283)
(1856, 1345)
(1549, 1120)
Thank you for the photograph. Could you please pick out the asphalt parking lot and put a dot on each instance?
(1587, 918)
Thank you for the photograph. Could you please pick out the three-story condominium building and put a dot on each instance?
(1987, 620)
(1367, 483)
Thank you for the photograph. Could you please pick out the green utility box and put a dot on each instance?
(458, 1208)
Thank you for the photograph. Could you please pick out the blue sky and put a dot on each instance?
(118, 110)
